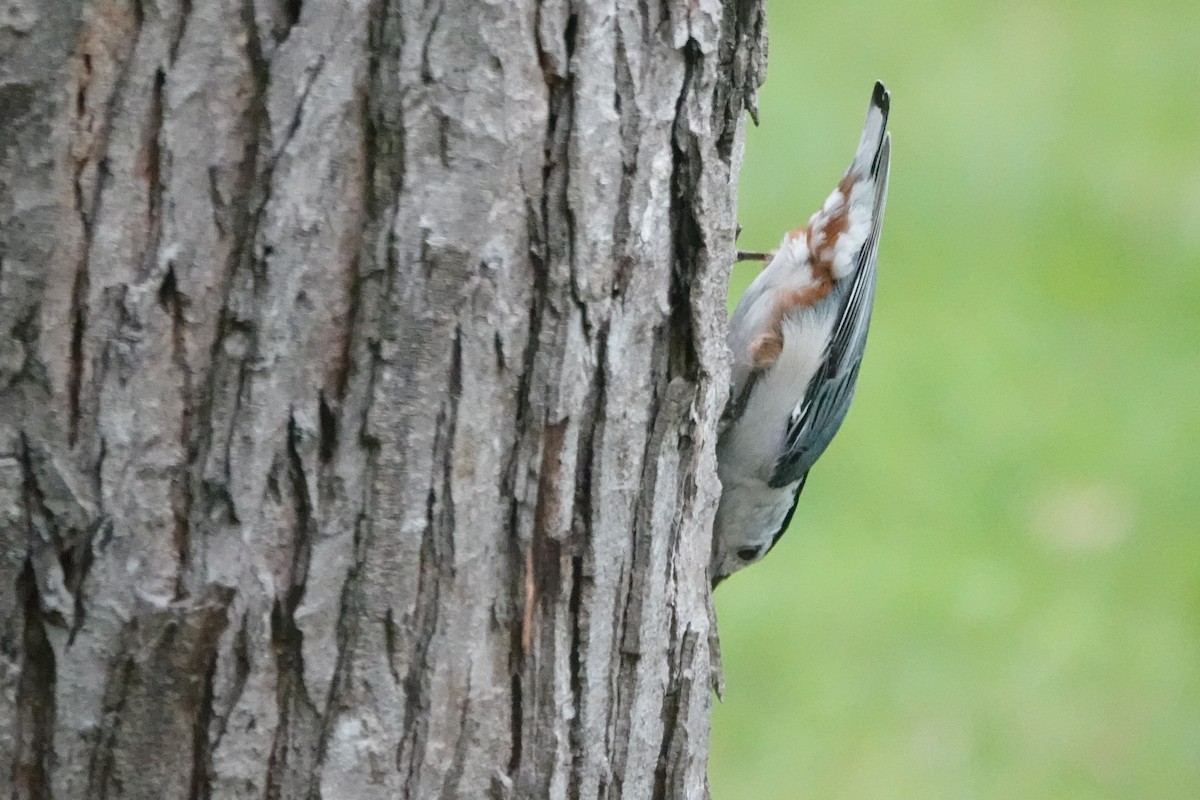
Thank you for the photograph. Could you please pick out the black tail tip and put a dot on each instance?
(881, 99)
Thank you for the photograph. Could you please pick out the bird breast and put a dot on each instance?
(754, 441)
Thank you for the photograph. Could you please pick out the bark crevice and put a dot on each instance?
(35, 695)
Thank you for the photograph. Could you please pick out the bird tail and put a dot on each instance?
(870, 147)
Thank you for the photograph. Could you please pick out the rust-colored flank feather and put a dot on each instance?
(765, 350)
(822, 244)
(827, 231)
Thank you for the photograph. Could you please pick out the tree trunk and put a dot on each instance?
(360, 367)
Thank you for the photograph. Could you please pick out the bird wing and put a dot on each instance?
(787, 520)
(813, 423)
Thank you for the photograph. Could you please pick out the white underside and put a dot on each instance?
(751, 511)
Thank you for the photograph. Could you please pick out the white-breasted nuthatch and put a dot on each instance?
(797, 339)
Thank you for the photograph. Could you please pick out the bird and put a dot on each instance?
(797, 339)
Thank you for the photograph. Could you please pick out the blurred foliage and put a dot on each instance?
(991, 588)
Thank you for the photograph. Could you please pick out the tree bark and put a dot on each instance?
(360, 367)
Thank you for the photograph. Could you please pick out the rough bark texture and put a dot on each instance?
(360, 365)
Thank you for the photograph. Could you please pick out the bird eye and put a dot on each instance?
(748, 553)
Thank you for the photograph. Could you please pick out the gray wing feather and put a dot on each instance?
(827, 397)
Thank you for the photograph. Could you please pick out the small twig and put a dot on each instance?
(754, 255)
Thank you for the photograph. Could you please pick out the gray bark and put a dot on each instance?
(360, 366)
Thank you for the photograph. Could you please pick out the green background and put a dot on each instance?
(991, 588)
